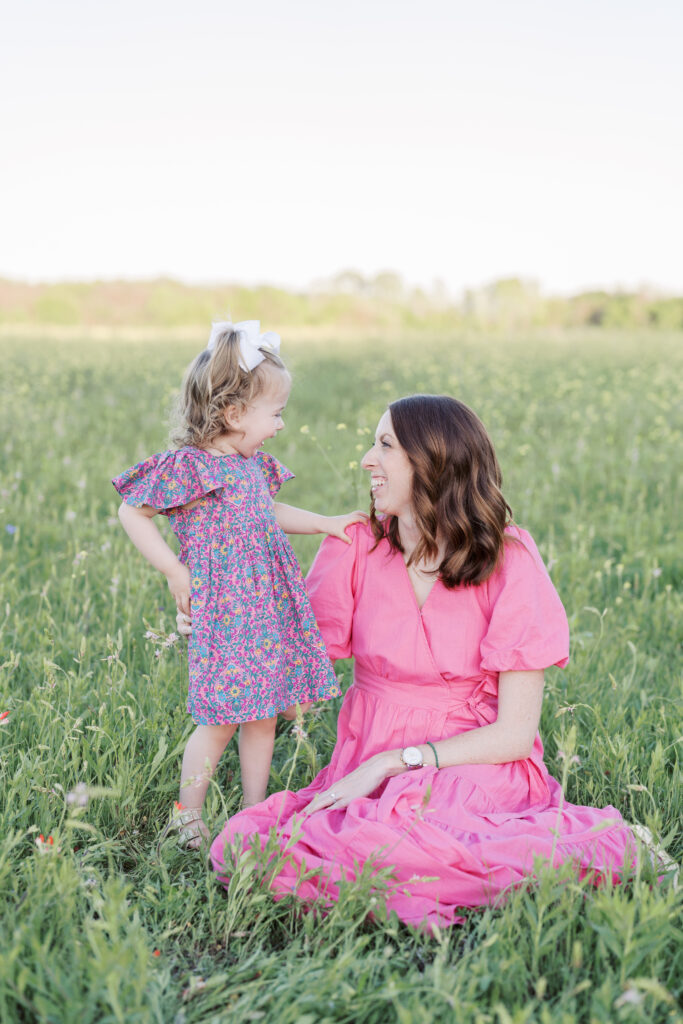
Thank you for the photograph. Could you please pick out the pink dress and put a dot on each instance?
(255, 648)
(426, 675)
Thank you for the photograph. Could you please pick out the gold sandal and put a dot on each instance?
(188, 824)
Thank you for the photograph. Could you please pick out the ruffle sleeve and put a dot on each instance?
(332, 584)
(528, 626)
(170, 479)
(275, 473)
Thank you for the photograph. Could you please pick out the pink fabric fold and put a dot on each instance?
(461, 836)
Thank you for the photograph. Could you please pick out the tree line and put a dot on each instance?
(348, 299)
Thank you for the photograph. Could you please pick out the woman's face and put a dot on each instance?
(391, 475)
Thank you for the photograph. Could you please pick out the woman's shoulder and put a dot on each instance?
(361, 535)
(520, 553)
(335, 555)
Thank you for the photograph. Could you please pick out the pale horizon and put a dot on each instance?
(282, 145)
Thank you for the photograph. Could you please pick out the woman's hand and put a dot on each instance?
(179, 584)
(362, 781)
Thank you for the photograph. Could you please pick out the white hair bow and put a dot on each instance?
(251, 341)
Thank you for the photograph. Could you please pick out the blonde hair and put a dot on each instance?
(213, 382)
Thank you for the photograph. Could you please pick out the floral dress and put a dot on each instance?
(255, 647)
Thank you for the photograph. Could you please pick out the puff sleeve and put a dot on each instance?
(528, 626)
(332, 584)
(275, 473)
(169, 479)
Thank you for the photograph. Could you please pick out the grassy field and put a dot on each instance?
(97, 925)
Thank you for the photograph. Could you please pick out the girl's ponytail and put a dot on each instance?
(224, 373)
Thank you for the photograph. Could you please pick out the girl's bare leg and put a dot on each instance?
(256, 752)
(290, 713)
(202, 754)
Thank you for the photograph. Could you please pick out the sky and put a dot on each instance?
(281, 142)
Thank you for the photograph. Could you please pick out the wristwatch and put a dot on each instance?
(412, 757)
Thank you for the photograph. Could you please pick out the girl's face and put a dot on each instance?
(260, 420)
(391, 475)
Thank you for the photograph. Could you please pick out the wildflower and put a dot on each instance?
(157, 952)
(70, 515)
(353, 464)
(78, 796)
(178, 806)
(80, 557)
(157, 653)
(105, 547)
(572, 760)
(341, 426)
(151, 635)
(114, 586)
(170, 640)
(44, 845)
(305, 429)
(632, 996)
(656, 573)
(299, 732)
(4, 715)
(10, 528)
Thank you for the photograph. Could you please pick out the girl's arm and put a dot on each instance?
(137, 522)
(509, 738)
(298, 520)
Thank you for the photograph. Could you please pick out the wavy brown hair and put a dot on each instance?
(213, 382)
(456, 488)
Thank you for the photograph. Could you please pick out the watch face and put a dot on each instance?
(412, 757)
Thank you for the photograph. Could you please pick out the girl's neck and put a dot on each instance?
(221, 446)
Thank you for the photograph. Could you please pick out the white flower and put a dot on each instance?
(78, 796)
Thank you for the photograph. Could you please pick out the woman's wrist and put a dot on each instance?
(391, 763)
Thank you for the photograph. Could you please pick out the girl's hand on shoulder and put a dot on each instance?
(179, 584)
(336, 526)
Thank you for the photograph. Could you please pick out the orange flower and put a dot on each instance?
(179, 806)
(44, 845)
(157, 952)
(3, 716)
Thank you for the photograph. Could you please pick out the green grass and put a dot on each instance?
(587, 428)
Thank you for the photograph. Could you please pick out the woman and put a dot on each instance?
(451, 618)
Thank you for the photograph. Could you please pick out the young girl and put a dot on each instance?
(255, 648)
